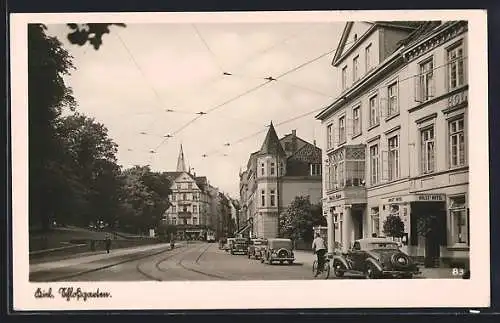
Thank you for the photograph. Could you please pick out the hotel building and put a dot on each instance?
(396, 138)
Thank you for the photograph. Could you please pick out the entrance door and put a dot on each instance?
(429, 221)
(357, 223)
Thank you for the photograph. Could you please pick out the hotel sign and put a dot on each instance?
(430, 197)
(335, 197)
(457, 99)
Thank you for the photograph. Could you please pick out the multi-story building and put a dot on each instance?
(192, 210)
(281, 170)
(395, 138)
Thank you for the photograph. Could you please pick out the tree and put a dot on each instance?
(298, 220)
(92, 33)
(48, 62)
(394, 226)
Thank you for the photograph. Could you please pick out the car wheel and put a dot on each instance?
(290, 262)
(370, 272)
(337, 269)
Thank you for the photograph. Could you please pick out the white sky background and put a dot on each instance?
(144, 69)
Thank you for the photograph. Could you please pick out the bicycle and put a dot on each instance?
(325, 271)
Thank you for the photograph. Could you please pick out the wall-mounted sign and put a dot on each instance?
(394, 199)
(430, 197)
(457, 99)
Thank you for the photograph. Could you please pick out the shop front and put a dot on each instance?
(345, 211)
(426, 227)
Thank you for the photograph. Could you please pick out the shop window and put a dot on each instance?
(459, 220)
(315, 169)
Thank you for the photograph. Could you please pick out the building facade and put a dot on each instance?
(192, 203)
(396, 138)
(281, 170)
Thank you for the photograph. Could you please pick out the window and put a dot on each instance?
(179, 186)
(173, 197)
(190, 186)
(344, 78)
(340, 177)
(315, 169)
(335, 176)
(368, 57)
(356, 121)
(392, 95)
(355, 37)
(262, 169)
(281, 169)
(273, 196)
(196, 196)
(458, 219)
(195, 221)
(184, 209)
(174, 209)
(273, 167)
(375, 217)
(287, 146)
(195, 208)
(457, 143)
(329, 138)
(456, 67)
(263, 198)
(427, 150)
(393, 158)
(374, 112)
(174, 221)
(342, 130)
(355, 68)
(184, 196)
(374, 164)
(425, 81)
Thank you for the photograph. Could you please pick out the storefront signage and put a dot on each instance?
(394, 199)
(457, 99)
(430, 197)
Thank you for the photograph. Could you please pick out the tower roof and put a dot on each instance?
(181, 163)
(271, 144)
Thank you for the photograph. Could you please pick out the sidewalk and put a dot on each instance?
(307, 258)
(93, 256)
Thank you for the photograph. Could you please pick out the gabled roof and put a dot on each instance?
(339, 53)
(271, 144)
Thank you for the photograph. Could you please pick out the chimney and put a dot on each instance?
(314, 142)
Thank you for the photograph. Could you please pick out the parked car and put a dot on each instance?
(375, 258)
(255, 247)
(279, 250)
(229, 243)
(239, 245)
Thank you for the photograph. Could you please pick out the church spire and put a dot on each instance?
(181, 164)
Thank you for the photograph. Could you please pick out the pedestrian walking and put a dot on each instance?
(108, 243)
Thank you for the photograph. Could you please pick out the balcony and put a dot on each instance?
(346, 169)
(184, 214)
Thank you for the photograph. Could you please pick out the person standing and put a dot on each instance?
(108, 243)
(319, 248)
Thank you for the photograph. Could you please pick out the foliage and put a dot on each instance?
(298, 220)
(424, 224)
(74, 175)
(92, 33)
(394, 226)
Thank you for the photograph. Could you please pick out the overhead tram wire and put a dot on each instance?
(214, 57)
(259, 53)
(255, 88)
(300, 116)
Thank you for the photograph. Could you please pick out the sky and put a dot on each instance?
(150, 80)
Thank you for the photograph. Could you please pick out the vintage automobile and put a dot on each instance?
(255, 247)
(239, 245)
(277, 250)
(375, 258)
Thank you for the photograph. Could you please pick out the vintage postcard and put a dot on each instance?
(250, 160)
